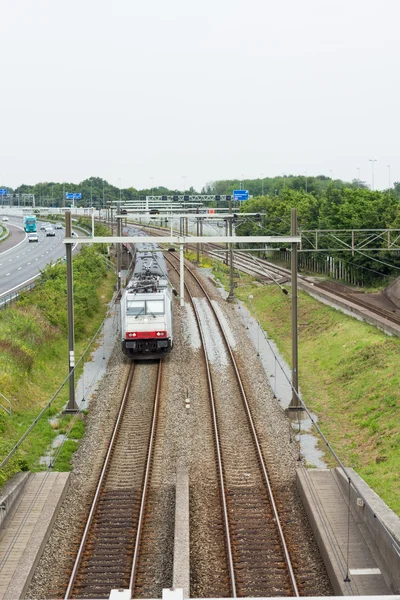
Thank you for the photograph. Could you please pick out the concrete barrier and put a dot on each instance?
(10, 493)
(181, 570)
(382, 523)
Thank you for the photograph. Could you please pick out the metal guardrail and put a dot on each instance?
(8, 299)
(8, 410)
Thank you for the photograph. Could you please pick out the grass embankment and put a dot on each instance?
(34, 356)
(349, 376)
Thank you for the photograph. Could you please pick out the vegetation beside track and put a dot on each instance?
(349, 377)
(34, 356)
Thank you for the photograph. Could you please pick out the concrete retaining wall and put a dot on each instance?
(10, 493)
(380, 520)
(393, 292)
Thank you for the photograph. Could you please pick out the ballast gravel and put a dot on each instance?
(185, 439)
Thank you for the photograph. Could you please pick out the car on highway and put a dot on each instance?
(50, 232)
(59, 226)
(5, 218)
(33, 237)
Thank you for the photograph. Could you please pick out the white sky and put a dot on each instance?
(208, 89)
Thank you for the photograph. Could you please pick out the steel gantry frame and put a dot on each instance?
(181, 240)
(349, 240)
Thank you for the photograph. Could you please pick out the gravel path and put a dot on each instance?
(184, 438)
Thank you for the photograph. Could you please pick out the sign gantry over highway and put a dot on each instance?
(241, 195)
(72, 196)
(3, 192)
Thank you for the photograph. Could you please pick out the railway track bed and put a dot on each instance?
(185, 434)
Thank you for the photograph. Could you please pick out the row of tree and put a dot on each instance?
(95, 192)
(98, 192)
(337, 208)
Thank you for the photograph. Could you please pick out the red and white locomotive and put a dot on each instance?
(146, 307)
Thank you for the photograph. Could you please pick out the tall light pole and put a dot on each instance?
(152, 186)
(262, 184)
(358, 177)
(120, 188)
(305, 172)
(372, 161)
(184, 177)
(241, 182)
(389, 178)
(331, 172)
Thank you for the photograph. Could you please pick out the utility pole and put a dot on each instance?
(226, 245)
(201, 235)
(231, 290)
(372, 161)
(119, 234)
(197, 233)
(295, 403)
(71, 407)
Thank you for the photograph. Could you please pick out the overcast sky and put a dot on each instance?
(212, 89)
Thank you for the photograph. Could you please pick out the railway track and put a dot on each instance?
(263, 269)
(109, 552)
(257, 556)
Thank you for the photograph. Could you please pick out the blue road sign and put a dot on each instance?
(3, 192)
(241, 195)
(72, 196)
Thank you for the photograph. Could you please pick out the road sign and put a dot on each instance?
(3, 192)
(241, 195)
(72, 196)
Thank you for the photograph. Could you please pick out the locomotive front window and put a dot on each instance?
(135, 308)
(154, 307)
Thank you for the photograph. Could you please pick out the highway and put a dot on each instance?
(23, 261)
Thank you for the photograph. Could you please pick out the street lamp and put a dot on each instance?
(306, 181)
(372, 161)
(389, 178)
(152, 186)
(331, 172)
(358, 177)
(241, 183)
(262, 184)
(184, 177)
(120, 189)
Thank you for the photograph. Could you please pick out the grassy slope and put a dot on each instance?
(349, 376)
(33, 364)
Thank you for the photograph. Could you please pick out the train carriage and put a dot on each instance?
(146, 307)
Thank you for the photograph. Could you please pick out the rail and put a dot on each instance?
(116, 505)
(255, 440)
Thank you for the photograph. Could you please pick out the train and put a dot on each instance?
(146, 306)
